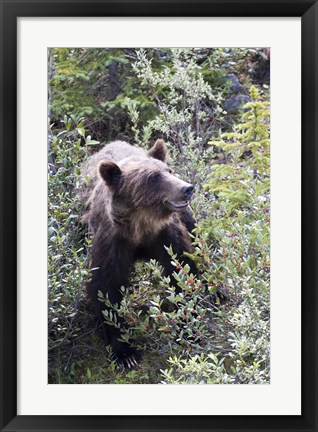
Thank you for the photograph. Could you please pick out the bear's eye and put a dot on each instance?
(170, 171)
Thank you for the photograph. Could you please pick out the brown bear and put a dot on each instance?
(135, 207)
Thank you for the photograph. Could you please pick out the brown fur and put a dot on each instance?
(133, 211)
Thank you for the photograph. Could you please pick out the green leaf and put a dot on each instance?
(81, 131)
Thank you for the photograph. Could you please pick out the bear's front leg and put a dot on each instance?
(176, 236)
(109, 273)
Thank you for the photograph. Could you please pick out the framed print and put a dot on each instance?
(217, 95)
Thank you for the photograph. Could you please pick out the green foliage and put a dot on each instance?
(173, 321)
(71, 82)
(95, 83)
(197, 369)
(188, 107)
(67, 242)
(239, 181)
(242, 171)
(103, 83)
(188, 335)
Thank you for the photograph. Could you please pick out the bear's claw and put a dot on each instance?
(131, 362)
(127, 362)
(129, 359)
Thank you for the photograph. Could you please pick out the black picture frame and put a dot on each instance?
(10, 11)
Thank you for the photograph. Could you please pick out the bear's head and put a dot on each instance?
(144, 188)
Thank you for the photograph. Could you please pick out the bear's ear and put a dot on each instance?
(110, 172)
(159, 150)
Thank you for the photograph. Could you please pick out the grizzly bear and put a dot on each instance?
(135, 207)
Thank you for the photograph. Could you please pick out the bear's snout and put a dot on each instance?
(180, 196)
(187, 191)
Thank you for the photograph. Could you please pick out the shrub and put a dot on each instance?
(164, 319)
(197, 369)
(68, 270)
(189, 110)
(240, 183)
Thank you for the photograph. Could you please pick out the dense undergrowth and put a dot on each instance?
(197, 335)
